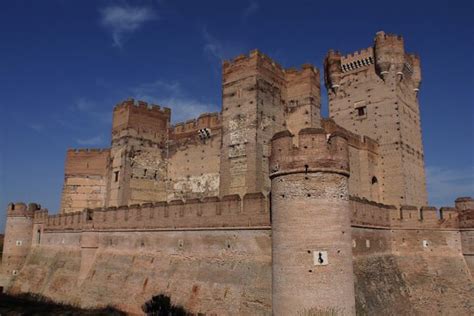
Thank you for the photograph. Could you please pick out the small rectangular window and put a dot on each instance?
(362, 111)
(116, 173)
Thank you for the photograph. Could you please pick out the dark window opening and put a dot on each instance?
(116, 173)
(144, 172)
(374, 180)
(362, 111)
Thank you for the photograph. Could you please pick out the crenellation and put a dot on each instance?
(142, 106)
(264, 190)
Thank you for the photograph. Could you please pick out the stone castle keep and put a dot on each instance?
(263, 208)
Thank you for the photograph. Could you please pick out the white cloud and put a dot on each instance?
(91, 109)
(124, 20)
(93, 141)
(84, 105)
(220, 49)
(445, 185)
(251, 9)
(170, 94)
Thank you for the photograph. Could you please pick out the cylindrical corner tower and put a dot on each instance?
(332, 71)
(311, 232)
(389, 53)
(18, 236)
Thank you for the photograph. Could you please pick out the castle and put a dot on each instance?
(265, 207)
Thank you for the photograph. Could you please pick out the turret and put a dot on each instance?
(464, 203)
(389, 54)
(311, 234)
(18, 236)
(332, 70)
(414, 61)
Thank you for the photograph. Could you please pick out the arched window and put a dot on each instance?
(374, 180)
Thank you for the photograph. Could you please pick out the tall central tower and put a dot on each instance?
(374, 92)
(259, 99)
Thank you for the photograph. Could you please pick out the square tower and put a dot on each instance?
(373, 92)
(138, 167)
(259, 99)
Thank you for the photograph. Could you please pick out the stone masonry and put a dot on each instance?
(263, 208)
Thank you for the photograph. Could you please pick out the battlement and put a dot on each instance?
(191, 127)
(145, 121)
(313, 150)
(354, 140)
(305, 69)
(303, 82)
(254, 57)
(357, 60)
(89, 161)
(20, 209)
(387, 53)
(367, 213)
(382, 36)
(257, 62)
(87, 150)
(464, 203)
(212, 212)
(142, 106)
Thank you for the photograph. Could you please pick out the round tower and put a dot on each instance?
(311, 234)
(18, 236)
(416, 71)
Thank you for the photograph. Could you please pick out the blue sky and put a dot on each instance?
(64, 64)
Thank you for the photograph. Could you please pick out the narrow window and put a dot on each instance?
(144, 172)
(361, 111)
(116, 173)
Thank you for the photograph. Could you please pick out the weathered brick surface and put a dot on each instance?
(374, 93)
(221, 272)
(190, 210)
(310, 214)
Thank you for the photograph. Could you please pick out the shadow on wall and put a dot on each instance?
(1, 246)
(27, 304)
(160, 305)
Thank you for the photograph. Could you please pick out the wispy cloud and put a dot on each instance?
(445, 184)
(170, 94)
(92, 109)
(84, 105)
(249, 10)
(92, 141)
(36, 127)
(221, 50)
(122, 20)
